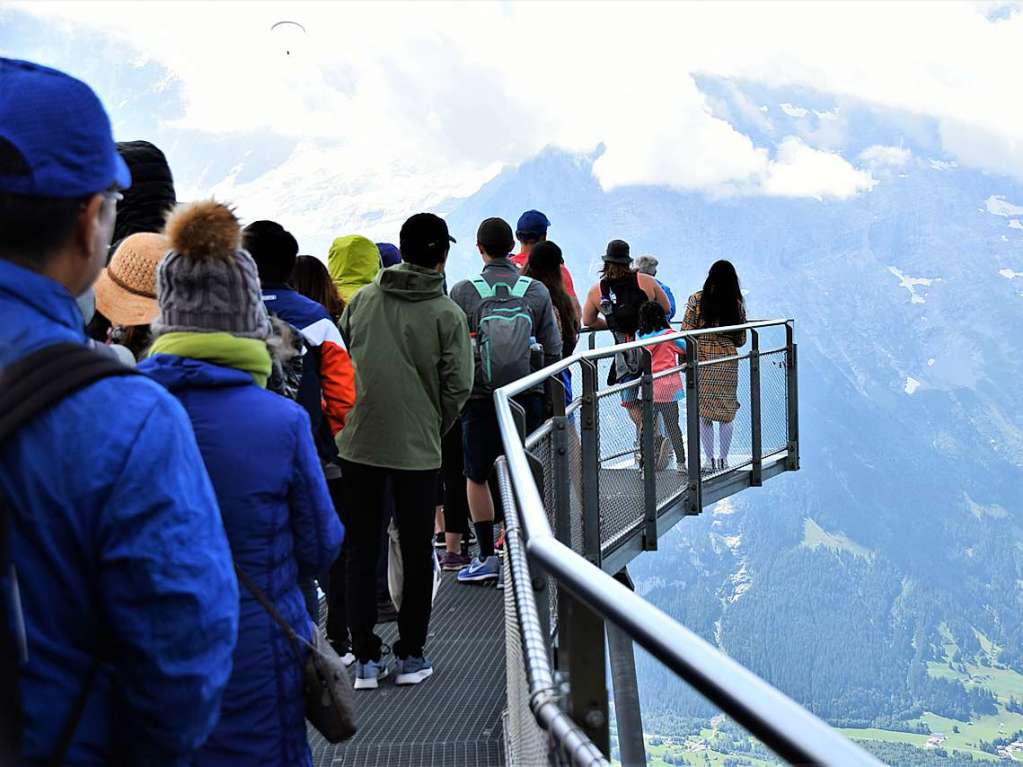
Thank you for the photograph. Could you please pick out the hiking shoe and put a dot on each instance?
(369, 674)
(412, 670)
(478, 571)
(663, 451)
(452, 562)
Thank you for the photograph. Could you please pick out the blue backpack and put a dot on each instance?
(504, 333)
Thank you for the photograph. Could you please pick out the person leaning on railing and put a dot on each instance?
(613, 304)
(719, 304)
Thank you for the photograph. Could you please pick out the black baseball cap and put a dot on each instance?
(424, 232)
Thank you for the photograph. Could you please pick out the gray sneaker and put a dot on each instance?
(369, 674)
(412, 670)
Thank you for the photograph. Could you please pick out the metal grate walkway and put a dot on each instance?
(452, 719)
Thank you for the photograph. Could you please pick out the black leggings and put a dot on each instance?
(456, 503)
(669, 412)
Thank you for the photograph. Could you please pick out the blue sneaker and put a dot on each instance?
(477, 572)
(412, 670)
(369, 674)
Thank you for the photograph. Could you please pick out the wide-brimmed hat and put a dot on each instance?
(617, 253)
(126, 289)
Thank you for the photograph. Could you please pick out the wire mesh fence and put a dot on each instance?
(620, 477)
(526, 743)
(774, 406)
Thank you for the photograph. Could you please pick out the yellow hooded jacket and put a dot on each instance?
(353, 262)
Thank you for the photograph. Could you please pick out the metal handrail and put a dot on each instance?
(536, 378)
(784, 726)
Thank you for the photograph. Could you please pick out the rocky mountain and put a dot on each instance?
(899, 546)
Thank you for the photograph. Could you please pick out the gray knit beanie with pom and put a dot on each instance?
(206, 283)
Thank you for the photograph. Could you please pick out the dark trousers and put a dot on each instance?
(456, 503)
(337, 590)
(669, 413)
(414, 492)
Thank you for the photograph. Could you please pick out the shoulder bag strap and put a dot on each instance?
(252, 588)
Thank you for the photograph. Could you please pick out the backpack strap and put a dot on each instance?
(521, 286)
(29, 387)
(484, 288)
(42, 379)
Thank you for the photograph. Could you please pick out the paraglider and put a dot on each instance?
(290, 30)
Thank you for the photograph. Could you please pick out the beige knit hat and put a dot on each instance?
(126, 289)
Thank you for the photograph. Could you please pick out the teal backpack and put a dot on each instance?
(504, 333)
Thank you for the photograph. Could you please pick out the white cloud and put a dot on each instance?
(1009, 274)
(794, 111)
(878, 156)
(1015, 224)
(944, 164)
(449, 89)
(997, 205)
(911, 385)
(801, 171)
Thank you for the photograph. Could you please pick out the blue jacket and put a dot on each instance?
(281, 525)
(118, 545)
(671, 300)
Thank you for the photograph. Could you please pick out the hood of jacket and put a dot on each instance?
(410, 282)
(175, 373)
(353, 262)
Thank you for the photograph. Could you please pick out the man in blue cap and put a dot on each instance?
(531, 229)
(120, 606)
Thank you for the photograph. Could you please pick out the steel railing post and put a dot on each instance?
(590, 439)
(626, 690)
(694, 503)
(792, 398)
(581, 652)
(647, 453)
(756, 426)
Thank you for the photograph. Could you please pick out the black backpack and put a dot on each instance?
(619, 303)
(29, 387)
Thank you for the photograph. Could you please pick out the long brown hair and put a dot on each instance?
(613, 271)
(311, 278)
(544, 265)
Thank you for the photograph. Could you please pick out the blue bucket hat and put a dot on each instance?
(532, 222)
(59, 139)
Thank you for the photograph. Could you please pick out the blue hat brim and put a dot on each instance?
(122, 176)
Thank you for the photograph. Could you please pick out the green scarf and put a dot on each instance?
(248, 354)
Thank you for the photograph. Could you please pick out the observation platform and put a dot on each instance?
(521, 675)
(452, 719)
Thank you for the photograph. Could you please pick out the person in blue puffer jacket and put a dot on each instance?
(127, 595)
(211, 352)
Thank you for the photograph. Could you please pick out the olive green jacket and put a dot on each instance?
(409, 344)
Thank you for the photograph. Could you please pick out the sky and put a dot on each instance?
(368, 112)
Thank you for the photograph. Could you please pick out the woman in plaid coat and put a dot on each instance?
(719, 304)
